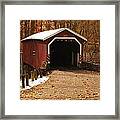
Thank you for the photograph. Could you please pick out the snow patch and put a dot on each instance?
(34, 83)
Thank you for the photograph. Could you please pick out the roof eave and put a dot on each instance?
(31, 39)
(76, 34)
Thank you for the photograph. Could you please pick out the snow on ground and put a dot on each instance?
(34, 83)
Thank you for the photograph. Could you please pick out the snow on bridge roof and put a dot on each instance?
(47, 34)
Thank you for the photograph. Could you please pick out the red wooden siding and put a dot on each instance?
(41, 53)
(27, 52)
(34, 53)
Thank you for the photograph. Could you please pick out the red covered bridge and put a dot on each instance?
(59, 47)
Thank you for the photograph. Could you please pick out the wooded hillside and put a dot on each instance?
(90, 29)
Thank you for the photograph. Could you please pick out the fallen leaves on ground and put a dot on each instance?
(66, 85)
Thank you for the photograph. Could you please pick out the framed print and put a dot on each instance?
(60, 60)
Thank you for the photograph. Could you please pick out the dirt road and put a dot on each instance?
(67, 84)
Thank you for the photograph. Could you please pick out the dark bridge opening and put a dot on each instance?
(64, 53)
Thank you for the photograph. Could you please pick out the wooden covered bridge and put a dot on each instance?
(59, 47)
(63, 46)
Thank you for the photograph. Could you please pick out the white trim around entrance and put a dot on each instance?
(63, 38)
(66, 39)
